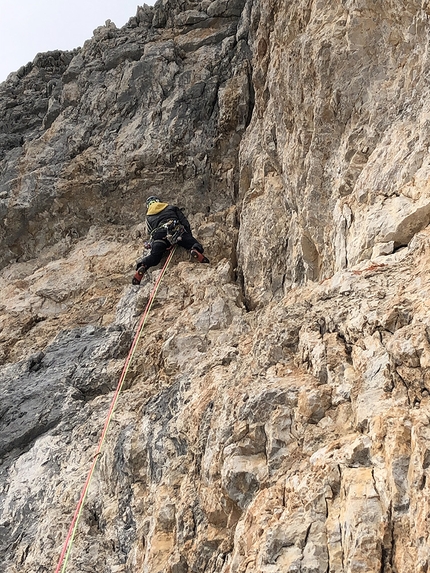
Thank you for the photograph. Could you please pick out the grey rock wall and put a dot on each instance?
(148, 109)
(338, 137)
(275, 416)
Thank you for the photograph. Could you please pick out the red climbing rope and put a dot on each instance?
(65, 553)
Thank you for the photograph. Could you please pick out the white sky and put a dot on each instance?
(28, 27)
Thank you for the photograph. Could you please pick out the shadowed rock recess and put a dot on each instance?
(276, 414)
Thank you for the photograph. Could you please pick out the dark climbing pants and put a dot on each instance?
(160, 246)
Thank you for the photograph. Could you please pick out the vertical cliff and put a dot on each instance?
(276, 413)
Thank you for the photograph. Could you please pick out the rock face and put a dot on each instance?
(276, 413)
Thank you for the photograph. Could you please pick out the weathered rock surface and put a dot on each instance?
(276, 413)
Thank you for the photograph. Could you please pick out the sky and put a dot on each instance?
(28, 27)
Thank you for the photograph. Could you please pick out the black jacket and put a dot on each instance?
(169, 213)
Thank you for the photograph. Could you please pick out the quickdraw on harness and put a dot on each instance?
(171, 231)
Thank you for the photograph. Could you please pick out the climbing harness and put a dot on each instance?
(171, 231)
(65, 553)
(174, 234)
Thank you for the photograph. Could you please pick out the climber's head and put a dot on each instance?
(152, 199)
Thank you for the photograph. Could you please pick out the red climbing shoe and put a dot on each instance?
(199, 257)
(138, 276)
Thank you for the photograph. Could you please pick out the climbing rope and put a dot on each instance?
(67, 547)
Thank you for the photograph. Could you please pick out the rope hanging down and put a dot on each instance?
(65, 553)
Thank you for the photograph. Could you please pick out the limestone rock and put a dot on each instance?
(275, 414)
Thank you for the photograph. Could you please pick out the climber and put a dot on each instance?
(167, 226)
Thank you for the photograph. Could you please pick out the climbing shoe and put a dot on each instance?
(199, 257)
(138, 276)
